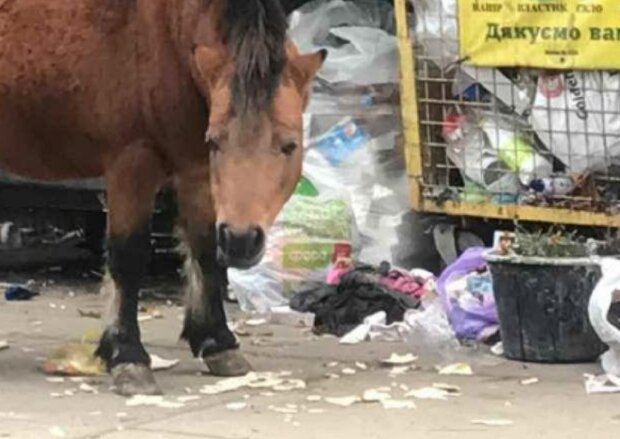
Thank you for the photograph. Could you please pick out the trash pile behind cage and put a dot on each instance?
(510, 142)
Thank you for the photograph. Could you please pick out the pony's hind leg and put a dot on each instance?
(132, 183)
(205, 327)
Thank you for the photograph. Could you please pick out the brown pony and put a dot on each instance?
(127, 89)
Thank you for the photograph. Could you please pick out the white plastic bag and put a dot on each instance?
(360, 51)
(576, 115)
(598, 310)
(436, 29)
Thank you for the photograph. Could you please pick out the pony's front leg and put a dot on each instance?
(132, 182)
(205, 328)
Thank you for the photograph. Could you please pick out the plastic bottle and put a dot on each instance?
(469, 150)
(516, 151)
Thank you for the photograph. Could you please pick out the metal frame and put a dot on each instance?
(413, 154)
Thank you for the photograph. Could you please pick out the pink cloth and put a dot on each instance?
(406, 284)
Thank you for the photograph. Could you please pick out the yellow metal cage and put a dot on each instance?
(419, 115)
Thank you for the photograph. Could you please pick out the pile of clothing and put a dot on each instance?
(354, 293)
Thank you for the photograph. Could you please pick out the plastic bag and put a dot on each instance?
(436, 29)
(361, 51)
(300, 248)
(467, 296)
(604, 295)
(576, 115)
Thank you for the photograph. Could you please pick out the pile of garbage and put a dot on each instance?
(520, 135)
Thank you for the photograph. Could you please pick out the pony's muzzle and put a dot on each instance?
(240, 248)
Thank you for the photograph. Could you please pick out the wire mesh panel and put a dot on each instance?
(512, 140)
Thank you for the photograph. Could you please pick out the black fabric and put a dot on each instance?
(339, 309)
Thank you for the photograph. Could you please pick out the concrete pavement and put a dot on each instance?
(556, 407)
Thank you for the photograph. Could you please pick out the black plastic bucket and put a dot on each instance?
(542, 305)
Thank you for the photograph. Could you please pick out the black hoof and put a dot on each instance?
(134, 379)
(229, 363)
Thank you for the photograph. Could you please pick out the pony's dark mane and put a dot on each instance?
(255, 33)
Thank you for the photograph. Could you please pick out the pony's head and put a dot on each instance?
(257, 85)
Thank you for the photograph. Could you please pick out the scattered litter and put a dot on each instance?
(267, 394)
(96, 413)
(87, 388)
(254, 380)
(498, 349)
(404, 387)
(236, 406)
(159, 363)
(69, 392)
(56, 431)
(348, 371)
(152, 400)
(77, 379)
(57, 395)
(36, 323)
(361, 366)
(399, 360)
(283, 410)
(149, 313)
(333, 364)
(74, 359)
(529, 381)
(52, 305)
(332, 376)
(256, 322)
(343, 401)
(428, 393)
(27, 350)
(606, 383)
(89, 313)
(375, 395)
(290, 384)
(492, 422)
(55, 380)
(398, 370)
(398, 404)
(188, 398)
(316, 411)
(121, 415)
(314, 398)
(456, 369)
(450, 388)
(19, 293)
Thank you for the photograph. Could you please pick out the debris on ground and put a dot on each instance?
(493, 422)
(314, 398)
(87, 388)
(498, 349)
(4, 345)
(429, 393)
(89, 313)
(529, 381)
(348, 371)
(74, 359)
(283, 410)
(284, 315)
(159, 363)
(255, 380)
(456, 369)
(343, 401)
(361, 366)
(147, 313)
(152, 400)
(606, 383)
(55, 380)
(236, 406)
(375, 395)
(399, 370)
(450, 388)
(399, 360)
(256, 322)
(15, 293)
(398, 404)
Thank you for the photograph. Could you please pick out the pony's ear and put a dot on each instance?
(209, 62)
(307, 66)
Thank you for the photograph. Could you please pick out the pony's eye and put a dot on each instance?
(289, 148)
(212, 145)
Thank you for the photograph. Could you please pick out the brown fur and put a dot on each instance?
(110, 88)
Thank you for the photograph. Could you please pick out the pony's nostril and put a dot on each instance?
(223, 236)
(259, 238)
